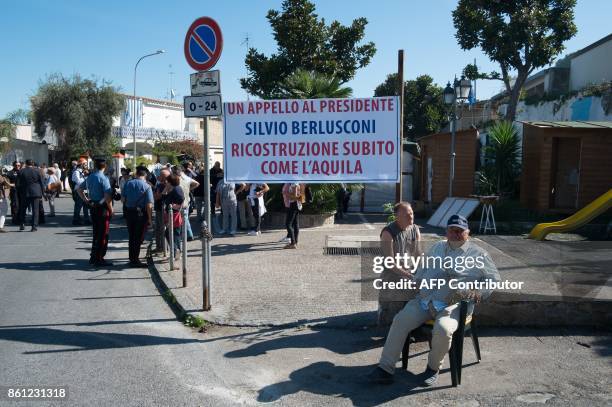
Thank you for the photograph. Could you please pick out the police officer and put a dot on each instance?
(138, 200)
(100, 202)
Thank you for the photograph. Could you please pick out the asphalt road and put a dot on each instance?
(110, 338)
(105, 334)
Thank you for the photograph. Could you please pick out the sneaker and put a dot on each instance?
(430, 377)
(232, 233)
(221, 232)
(2, 230)
(253, 233)
(285, 240)
(290, 246)
(380, 376)
(34, 229)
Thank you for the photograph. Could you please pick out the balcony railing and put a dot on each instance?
(152, 134)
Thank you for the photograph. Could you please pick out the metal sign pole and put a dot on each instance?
(171, 236)
(206, 226)
(184, 245)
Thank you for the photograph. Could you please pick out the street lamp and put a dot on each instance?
(159, 51)
(459, 91)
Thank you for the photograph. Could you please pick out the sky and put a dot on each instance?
(105, 39)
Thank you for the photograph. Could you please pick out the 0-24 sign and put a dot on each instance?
(205, 105)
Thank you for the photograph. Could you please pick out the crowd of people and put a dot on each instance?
(145, 198)
(28, 186)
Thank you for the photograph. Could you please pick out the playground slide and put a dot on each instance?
(583, 216)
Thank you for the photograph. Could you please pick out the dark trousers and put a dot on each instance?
(213, 199)
(100, 223)
(292, 222)
(34, 204)
(15, 215)
(137, 226)
(255, 209)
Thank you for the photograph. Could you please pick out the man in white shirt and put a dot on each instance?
(78, 177)
(440, 303)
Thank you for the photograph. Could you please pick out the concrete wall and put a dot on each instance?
(594, 66)
(590, 108)
(24, 132)
(22, 150)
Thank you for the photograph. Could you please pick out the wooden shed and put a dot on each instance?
(566, 165)
(435, 165)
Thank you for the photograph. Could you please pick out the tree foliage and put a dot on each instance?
(305, 41)
(503, 159)
(424, 109)
(520, 35)
(172, 149)
(80, 112)
(304, 84)
(7, 134)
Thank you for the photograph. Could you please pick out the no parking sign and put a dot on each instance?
(203, 44)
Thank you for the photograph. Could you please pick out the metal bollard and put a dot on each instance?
(184, 253)
(164, 244)
(206, 238)
(171, 236)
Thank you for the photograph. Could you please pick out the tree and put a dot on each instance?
(7, 134)
(305, 41)
(80, 112)
(520, 35)
(304, 84)
(424, 109)
(8, 127)
(172, 149)
(503, 159)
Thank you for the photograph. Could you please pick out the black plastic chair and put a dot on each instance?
(467, 325)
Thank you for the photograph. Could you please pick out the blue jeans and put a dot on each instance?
(78, 205)
(187, 223)
(178, 237)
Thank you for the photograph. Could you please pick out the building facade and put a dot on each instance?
(158, 120)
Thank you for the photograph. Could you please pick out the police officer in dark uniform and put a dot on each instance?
(138, 200)
(100, 201)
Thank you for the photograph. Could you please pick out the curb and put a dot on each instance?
(166, 293)
(526, 313)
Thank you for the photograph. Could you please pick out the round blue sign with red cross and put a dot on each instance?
(203, 44)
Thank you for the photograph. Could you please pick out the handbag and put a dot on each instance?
(177, 218)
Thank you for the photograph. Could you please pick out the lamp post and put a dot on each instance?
(459, 91)
(159, 51)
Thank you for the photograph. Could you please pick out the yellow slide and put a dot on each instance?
(583, 216)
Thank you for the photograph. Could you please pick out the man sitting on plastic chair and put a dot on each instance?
(448, 265)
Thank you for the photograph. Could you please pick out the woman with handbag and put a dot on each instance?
(52, 186)
(173, 196)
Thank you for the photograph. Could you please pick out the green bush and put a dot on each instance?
(129, 163)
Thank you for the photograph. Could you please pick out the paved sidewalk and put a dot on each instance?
(257, 283)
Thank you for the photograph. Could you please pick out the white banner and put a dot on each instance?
(313, 140)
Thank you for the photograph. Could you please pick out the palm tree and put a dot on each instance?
(504, 151)
(303, 84)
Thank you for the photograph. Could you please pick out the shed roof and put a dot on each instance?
(571, 124)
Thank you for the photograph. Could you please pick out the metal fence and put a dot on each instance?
(152, 133)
